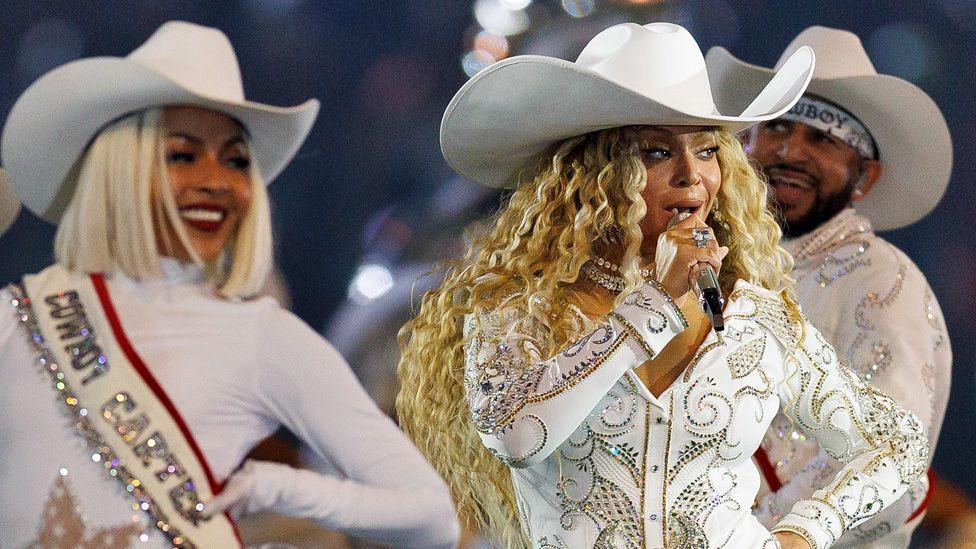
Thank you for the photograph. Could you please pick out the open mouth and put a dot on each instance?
(791, 178)
(203, 217)
(790, 186)
(689, 207)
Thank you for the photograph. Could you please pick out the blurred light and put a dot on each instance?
(371, 282)
(48, 44)
(579, 8)
(492, 44)
(457, 198)
(900, 50)
(475, 61)
(559, 39)
(516, 5)
(497, 18)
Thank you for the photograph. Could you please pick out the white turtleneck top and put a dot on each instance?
(236, 371)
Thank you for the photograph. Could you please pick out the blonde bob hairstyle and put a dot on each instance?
(110, 222)
(586, 190)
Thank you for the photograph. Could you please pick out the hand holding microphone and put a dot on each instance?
(688, 258)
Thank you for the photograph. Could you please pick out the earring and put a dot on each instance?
(718, 217)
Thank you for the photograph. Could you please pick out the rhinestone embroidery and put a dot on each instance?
(616, 486)
(100, 450)
(745, 359)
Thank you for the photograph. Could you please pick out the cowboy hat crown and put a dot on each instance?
(174, 50)
(628, 74)
(839, 53)
(658, 60)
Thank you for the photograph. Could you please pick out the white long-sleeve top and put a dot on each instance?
(875, 306)
(599, 461)
(235, 371)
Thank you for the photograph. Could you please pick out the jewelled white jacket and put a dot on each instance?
(598, 461)
(874, 305)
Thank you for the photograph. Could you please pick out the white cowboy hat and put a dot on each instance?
(911, 135)
(53, 122)
(628, 74)
(9, 205)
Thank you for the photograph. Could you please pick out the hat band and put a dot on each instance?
(831, 119)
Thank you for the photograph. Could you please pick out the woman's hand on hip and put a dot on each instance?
(252, 489)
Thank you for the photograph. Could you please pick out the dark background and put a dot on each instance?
(384, 71)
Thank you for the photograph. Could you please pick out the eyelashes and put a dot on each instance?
(659, 153)
(237, 161)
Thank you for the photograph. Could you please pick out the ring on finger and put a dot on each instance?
(701, 237)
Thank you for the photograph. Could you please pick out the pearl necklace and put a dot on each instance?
(610, 282)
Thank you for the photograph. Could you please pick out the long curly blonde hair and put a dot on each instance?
(586, 190)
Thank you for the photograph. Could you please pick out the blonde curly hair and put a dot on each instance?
(586, 190)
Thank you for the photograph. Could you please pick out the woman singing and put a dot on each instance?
(564, 378)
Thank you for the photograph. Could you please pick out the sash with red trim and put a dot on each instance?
(128, 422)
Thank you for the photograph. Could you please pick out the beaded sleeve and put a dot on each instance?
(882, 445)
(892, 334)
(524, 404)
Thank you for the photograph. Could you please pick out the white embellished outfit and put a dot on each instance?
(874, 305)
(598, 461)
(235, 371)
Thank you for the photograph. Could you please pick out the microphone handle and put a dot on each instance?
(706, 286)
(710, 297)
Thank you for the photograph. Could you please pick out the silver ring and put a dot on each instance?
(701, 237)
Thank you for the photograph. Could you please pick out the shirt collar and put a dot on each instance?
(174, 274)
(828, 236)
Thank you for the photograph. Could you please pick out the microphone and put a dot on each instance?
(705, 286)
(710, 297)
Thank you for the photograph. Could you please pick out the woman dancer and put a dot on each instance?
(144, 333)
(587, 401)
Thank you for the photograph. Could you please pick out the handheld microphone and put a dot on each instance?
(710, 297)
(706, 286)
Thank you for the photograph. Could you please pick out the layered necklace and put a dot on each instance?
(606, 274)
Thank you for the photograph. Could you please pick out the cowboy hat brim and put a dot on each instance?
(9, 205)
(509, 113)
(911, 135)
(53, 122)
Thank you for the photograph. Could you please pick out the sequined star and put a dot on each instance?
(62, 526)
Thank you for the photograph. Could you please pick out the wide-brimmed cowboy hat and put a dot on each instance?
(9, 205)
(628, 74)
(53, 122)
(911, 135)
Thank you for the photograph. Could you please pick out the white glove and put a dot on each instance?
(252, 489)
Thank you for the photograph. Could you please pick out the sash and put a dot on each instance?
(131, 427)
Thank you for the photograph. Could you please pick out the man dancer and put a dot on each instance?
(861, 151)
